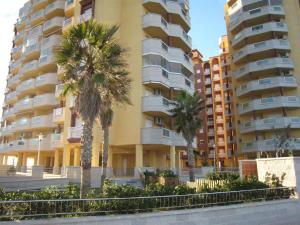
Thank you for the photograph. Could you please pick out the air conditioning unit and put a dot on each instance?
(158, 121)
(157, 91)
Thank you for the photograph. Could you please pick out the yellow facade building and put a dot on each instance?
(264, 42)
(142, 135)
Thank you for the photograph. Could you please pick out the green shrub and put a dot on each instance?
(167, 173)
(158, 190)
(183, 190)
(223, 176)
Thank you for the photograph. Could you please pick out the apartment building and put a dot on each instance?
(213, 83)
(202, 137)
(264, 43)
(142, 135)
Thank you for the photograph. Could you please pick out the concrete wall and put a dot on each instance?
(289, 165)
(284, 212)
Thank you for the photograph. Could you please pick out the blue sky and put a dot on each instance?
(208, 25)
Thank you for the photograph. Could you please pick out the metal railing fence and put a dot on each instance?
(33, 209)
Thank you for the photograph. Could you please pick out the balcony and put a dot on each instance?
(17, 52)
(44, 101)
(162, 136)
(35, 32)
(37, 17)
(25, 87)
(266, 145)
(156, 105)
(154, 24)
(208, 92)
(253, 33)
(47, 62)
(21, 23)
(270, 124)
(9, 113)
(171, 7)
(56, 8)
(270, 45)
(207, 81)
(262, 66)
(227, 87)
(30, 69)
(8, 130)
(15, 66)
(21, 125)
(69, 8)
(44, 145)
(269, 103)
(68, 22)
(156, 46)
(42, 122)
(237, 19)
(10, 97)
(32, 51)
(74, 134)
(266, 84)
(58, 90)
(52, 25)
(51, 42)
(158, 76)
(219, 121)
(58, 115)
(57, 141)
(38, 4)
(19, 38)
(24, 105)
(218, 99)
(45, 81)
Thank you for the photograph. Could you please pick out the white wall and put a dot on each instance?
(288, 165)
(285, 212)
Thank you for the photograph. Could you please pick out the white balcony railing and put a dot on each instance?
(162, 136)
(156, 104)
(171, 54)
(174, 30)
(259, 29)
(262, 65)
(269, 103)
(270, 124)
(267, 83)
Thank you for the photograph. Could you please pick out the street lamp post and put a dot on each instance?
(40, 138)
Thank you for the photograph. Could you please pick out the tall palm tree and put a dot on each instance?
(80, 54)
(115, 90)
(187, 121)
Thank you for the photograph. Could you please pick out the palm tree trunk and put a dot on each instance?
(191, 161)
(104, 154)
(86, 158)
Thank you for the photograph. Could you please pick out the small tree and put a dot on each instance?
(187, 121)
(283, 143)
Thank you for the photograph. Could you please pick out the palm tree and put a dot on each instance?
(80, 54)
(187, 121)
(115, 90)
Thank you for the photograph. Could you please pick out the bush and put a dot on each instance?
(111, 190)
(183, 190)
(167, 173)
(223, 176)
(247, 183)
